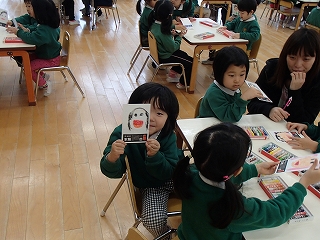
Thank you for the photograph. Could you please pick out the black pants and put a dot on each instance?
(180, 56)
(69, 9)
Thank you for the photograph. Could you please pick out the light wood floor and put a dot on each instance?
(51, 184)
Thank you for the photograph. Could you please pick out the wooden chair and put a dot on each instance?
(155, 58)
(254, 53)
(196, 112)
(113, 8)
(287, 9)
(64, 64)
(137, 52)
(269, 8)
(174, 203)
(135, 234)
(310, 26)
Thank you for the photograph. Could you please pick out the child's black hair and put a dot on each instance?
(162, 12)
(138, 7)
(163, 98)
(218, 151)
(46, 13)
(247, 5)
(229, 56)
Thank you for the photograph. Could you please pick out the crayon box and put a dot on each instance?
(275, 153)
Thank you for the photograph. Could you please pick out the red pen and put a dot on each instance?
(287, 103)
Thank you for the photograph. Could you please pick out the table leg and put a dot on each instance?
(28, 76)
(193, 79)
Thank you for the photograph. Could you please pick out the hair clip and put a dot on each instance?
(226, 178)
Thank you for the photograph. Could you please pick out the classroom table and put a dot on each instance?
(187, 128)
(216, 2)
(217, 42)
(305, 3)
(19, 49)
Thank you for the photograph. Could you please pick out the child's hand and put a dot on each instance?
(12, 30)
(303, 143)
(117, 149)
(235, 35)
(311, 176)
(178, 19)
(296, 126)
(175, 22)
(277, 114)
(174, 32)
(9, 23)
(180, 28)
(23, 28)
(297, 80)
(192, 19)
(251, 93)
(221, 28)
(182, 33)
(152, 146)
(231, 18)
(266, 168)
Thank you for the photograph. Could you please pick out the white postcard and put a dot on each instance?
(256, 86)
(284, 136)
(297, 164)
(3, 17)
(187, 23)
(135, 124)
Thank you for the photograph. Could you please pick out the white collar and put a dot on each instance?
(158, 22)
(155, 135)
(147, 6)
(249, 19)
(221, 185)
(180, 7)
(226, 90)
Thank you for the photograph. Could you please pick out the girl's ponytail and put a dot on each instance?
(181, 178)
(138, 7)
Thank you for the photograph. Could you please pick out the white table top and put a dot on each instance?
(302, 230)
(3, 45)
(201, 28)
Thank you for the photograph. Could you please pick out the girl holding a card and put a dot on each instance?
(292, 80)
(152, 162)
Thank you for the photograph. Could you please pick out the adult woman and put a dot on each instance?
(292, 82)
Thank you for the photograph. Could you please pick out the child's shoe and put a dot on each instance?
(173, 76)
(99, 18)
(180, 86)
(207, 62)
(47, 89)
(74, 22)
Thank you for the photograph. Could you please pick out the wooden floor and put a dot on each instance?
(51, 184)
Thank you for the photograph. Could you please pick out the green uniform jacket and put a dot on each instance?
(144, 27)
(178, 12)
(314, 17)
(313, 132)
(27, 22)
(258, 214)
(222, 103)
(166, 44)
(147, 172)
(46, 40)
(249, 29)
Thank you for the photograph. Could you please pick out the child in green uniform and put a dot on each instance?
(223, 99)
(151, 163)
(314, 16)
(182, 8)
(143, 22)
(212, 207)
(311, 135)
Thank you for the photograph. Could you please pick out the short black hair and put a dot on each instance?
(46, 13)
(227, 56)
(247, 5)
(162, 97)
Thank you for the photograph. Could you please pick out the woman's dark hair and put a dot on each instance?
(247, 5)
(163, 98)
(229, 56)
(185, 11)
(219, 151)
(305, 42)
(162, 12)
(46, 13)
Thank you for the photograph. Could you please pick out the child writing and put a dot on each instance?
(223, 99)
(245, 26)
(212, 207)
(152, 164)
(169, 41)
(143, 22)
(46, 38)
(311, 135)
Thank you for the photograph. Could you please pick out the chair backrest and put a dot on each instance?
(64, 56)
(310, 26)
(255, 48)
(196, 112)
(153, 47)
(287, 4)
(135, 234)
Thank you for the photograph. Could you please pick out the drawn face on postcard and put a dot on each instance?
(303, 163)
(138, 119)
(283, 136)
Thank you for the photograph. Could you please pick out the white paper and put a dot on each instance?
(3, 18)
(187, 23)
(284, 136)
(256, 86)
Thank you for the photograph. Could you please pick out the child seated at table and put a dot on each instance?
(244, 26)
(212, 207)
(311, 135)
(196, 13)
(182, 9)
(223, 99)
(314, 16)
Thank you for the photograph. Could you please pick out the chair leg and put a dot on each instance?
(36, 87)
(21, 74)
(184, 78)
(144, 64)
(64, 76)
(115, 192)
(155, 73)
(75, 81)
(257, 65)
(135, 56)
